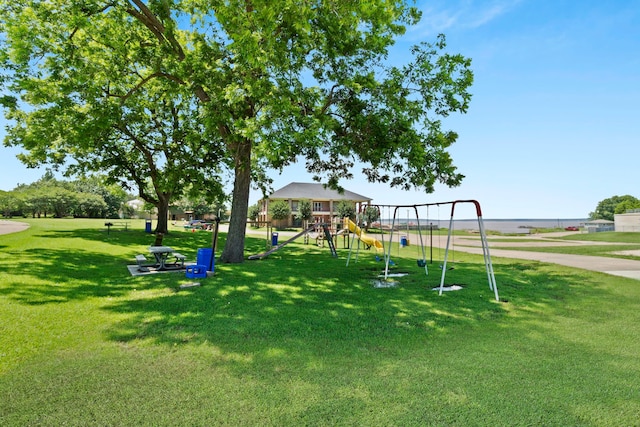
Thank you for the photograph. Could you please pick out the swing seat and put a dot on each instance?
(421, 262)
(382, 259)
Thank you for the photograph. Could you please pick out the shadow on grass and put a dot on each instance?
(87, 263)
(300, 294)
(302, 326)
(303, 300)
(53, 276)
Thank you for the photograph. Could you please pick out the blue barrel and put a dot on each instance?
(403, 241)
(147, 226)
(205, 257)
(274, 239)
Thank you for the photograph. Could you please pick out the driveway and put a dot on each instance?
(7, 227)
(614, 266)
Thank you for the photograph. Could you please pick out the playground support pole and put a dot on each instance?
(485, 248)
(415, 208)
(214, 243)
(430, 243)
(353, 238)
(446, 251)
(387, 257)
(487, 259)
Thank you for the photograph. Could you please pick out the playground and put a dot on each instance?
(353, 233)
(301, 338)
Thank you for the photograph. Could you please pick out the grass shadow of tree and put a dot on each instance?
(85, 263)
(300, 310)
(55, 275)
(306, 301)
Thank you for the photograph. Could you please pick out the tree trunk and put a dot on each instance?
(234, 247)
(163, 211)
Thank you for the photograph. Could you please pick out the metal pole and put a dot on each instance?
(431, 242)
(487, 259)
(214, 243)
(426, 270)
(446, 250)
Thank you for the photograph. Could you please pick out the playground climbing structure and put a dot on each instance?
(275, 248)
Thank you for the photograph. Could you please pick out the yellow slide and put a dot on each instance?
(370, 241)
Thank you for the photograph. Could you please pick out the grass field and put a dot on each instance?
(301, 339)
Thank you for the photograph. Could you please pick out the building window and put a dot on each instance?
(317, 206)
(294, 205)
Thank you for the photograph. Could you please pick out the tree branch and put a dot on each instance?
(142, 82)
(151, 21)
(329, 100)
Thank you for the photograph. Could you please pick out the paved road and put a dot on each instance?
(7, 227)
(615, 266)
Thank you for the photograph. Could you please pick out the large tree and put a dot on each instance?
(274, 80)
(89, 105)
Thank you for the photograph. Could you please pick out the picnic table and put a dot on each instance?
(162, 255)
(123, 224)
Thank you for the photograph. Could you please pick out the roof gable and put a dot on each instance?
(314, 191)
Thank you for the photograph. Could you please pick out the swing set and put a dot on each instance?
(422, 262)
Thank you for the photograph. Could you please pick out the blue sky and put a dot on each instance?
(554, 123)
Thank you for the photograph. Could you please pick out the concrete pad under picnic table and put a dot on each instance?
(135, 269)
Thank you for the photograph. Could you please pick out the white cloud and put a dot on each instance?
(440, 16)
(436, 21)
(485, 15)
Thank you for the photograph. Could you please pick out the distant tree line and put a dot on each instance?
(50, 197)
(87, 198)
(607, 208)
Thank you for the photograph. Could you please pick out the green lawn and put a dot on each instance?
(301, 339)
(608, 236)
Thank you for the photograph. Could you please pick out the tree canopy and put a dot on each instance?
(305, 210)
(263, 83)
(83, 97)
(607, 208)
(345, 209)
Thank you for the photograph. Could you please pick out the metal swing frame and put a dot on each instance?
(387, 249)
(485, 247)
(483, 237)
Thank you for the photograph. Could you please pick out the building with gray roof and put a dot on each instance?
(323, 201)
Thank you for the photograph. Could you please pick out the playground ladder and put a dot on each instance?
(329, 239)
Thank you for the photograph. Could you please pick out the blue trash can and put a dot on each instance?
(147, 226)
(403, 241)
(274, 239)
(205, 257)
